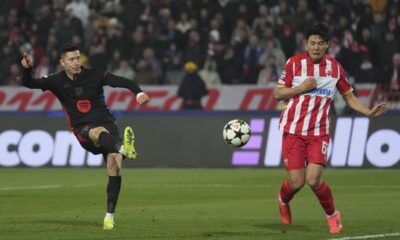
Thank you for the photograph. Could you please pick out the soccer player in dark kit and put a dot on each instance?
(80, 91)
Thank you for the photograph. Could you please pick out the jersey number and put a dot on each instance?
(324, 148)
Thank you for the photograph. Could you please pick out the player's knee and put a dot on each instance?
(114, 164)
(313, 182)
(297, 183)
(94, 133)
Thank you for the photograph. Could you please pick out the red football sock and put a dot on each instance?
(287, 192)
(325, 197)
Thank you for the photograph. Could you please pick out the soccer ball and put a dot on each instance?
(236, 133)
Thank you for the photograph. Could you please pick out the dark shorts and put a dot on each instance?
(299, 151)
(82, 134)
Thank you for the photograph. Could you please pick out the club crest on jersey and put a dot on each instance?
(78, 91)
(328, 72)
(286, 161)
(283, 74)
(83, 105)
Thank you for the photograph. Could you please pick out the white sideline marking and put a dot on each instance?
(383, 235)
(43, 187)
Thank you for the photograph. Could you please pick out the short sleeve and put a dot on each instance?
(286, 77)
(343, 85)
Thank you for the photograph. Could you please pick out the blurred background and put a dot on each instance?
(237, 48)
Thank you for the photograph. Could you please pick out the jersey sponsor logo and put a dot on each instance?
(83, 106)
(320, 91)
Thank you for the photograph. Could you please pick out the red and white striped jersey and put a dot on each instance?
(307, 114)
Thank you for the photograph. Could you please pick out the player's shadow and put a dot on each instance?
(279, 227)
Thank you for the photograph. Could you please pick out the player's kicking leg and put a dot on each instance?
(100, 136)
(129, 144)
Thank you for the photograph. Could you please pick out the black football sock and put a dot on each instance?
(113, 187)
(109, 142)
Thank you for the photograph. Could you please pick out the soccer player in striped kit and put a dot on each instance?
(308, 84)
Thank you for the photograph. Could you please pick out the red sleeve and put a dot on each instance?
(286, 77)
(343, 85)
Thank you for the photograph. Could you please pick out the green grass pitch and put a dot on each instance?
(191, 204)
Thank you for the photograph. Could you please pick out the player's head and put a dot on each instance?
(317, 36)
(70, 59)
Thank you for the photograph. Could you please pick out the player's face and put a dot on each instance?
(70, 62)
(316, 47)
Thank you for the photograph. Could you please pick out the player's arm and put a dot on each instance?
(284, 93)
(117, 81)
(27, 79)
(356, 104)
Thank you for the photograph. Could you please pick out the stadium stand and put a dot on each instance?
(234, 41)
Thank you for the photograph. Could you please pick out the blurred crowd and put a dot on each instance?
(229, 41)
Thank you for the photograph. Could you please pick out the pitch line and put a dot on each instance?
(383, 235)
(38, 187)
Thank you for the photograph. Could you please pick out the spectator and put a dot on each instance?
(193, 51)
(80, 10)
(269, 73)
(192, 88)
(44, 68)
(209, 73)
(278, 55)
(13, 75)
(174, 73)
(148, 68)
(366, 72)
(252, 55)
(183, 24)
(231, 68)
(392, 88)
(125, 70)
(387, 50)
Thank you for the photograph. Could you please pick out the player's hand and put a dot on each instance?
(142, 98)
(308, 84)
(378, 110)
(27, 60)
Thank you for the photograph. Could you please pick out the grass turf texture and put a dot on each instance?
(190, 204)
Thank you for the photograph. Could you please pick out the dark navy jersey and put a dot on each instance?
(82, 98)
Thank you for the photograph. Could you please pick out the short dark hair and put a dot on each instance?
(319, 29)
(68, 48)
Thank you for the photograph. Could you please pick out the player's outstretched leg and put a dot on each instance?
(129, 144)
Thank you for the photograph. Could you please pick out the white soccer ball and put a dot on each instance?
(236, 133)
